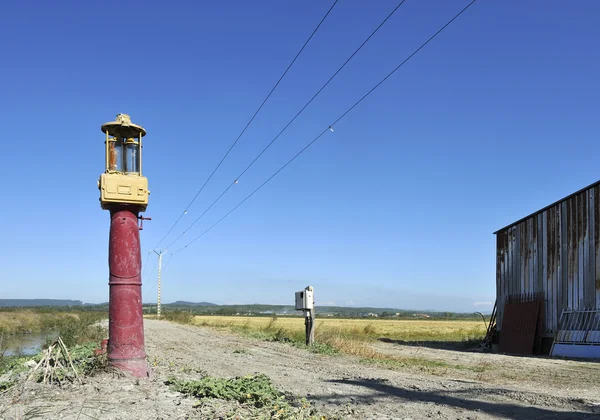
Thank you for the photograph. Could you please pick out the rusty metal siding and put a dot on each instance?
(597, 247)
(555, 252)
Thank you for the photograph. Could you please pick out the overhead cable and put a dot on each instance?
(247, 125)
(236, 180)
(330, 126)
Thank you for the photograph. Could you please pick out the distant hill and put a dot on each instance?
(184, 303)
(39, 302)
(208, 308)
(205, 308)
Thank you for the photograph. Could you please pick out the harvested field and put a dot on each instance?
(399, 330)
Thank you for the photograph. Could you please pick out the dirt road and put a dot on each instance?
(336, 385)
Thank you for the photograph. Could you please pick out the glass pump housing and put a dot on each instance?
(123, 155)
(122, 181)
(114, 155)
(132, 156)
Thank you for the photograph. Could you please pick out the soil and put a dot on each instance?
(340, 386)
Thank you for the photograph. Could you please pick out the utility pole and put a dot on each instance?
(160, 255)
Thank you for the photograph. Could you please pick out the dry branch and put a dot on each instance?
(51, 363)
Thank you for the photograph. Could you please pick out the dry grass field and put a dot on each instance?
(413, 331)
(75, 327)
(356, 337)
(25, 320)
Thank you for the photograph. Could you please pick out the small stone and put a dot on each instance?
(30, 364)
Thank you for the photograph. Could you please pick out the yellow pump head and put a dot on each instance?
(122, 181)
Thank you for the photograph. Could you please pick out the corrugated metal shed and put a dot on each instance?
(554, 251)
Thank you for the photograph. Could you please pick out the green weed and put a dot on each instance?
(318, 348)
(254, 391)
(78, 330)
(11, 368)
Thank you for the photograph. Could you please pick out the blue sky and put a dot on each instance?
(496, 118)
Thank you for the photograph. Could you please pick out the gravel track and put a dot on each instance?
(336, 385)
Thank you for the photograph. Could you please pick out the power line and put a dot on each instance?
(248, 124)
(291, 121)
(167, 263)
(150, 286)
(330, 127)
(253, 192)
(145, 263)
(152, 271)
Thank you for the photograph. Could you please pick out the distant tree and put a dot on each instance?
(449, 315)
(226, 310)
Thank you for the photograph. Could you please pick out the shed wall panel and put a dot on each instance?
(564, 253)
(554, 252)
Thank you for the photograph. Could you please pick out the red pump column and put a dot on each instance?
(126, 326)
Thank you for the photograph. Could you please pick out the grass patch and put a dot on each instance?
(11, 370)
(434, 367)
(272, 331)
(24, 321)
(317, 348)
(85, 361)
(353, 337)
(253, 391)
(179, 316)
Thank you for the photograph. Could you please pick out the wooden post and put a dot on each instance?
(311, 336)
(305, 302)
(309, 323)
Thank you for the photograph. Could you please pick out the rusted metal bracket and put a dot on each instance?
(141, 219)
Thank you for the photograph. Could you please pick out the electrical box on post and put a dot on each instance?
(305, 299)
(300, 300)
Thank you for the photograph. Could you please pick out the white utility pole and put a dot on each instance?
(160, 255)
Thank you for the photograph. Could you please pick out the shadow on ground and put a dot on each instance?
(579, 409)
(469, 346)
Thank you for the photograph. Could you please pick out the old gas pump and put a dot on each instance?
(124, 192)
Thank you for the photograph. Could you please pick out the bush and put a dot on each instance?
(179, 316)
(78, 328)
